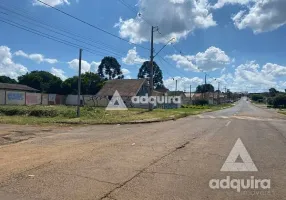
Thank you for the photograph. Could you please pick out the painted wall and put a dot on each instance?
(33, 98)
(15, 98)
(2, 97)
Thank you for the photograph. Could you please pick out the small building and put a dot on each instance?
(17, 87)
(127, 88)
(17, 94)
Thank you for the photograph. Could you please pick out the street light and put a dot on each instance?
(164, 46)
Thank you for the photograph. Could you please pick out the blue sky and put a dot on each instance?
(233, 41)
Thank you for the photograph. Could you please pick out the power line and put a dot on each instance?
(135, 11)
(171, 65)
(91, 25)
(9, 22)
(165, 69)
(42, 24)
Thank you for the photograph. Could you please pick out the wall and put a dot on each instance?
(33, 98)
(15, 98)
(2, 97)
(45, 99)
(90, 100)
(71, 100)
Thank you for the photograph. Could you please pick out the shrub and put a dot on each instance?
(257, 97)
(279, 101)
(270, 101)
(201, 102)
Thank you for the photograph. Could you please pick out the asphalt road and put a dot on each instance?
(172, 160)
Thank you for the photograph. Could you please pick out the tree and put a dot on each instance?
(110, 69)
(43, 81)
(273, 92)
(91, 83)
(6, 79)
(257, 97)
(205, 88)
(144, 72)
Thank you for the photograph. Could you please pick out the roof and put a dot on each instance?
(157, 93)
(8, 86)
(176, 93)
(125, 87)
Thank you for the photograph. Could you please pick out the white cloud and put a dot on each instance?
(85, 66)
(59, 73)
(251, 77)
(246, 77)
(126, 73)
(221, 3)
(175, 18)
(262, 16)
(7, 65)
(51, 2)
(94, 65)
(38, 58)
(210, 60)
(274, 70)
(132, 58)
(184, 83)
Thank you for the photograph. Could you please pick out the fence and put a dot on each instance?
(26, 98)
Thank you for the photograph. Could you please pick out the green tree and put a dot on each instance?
(205, 88)
(144, 72)
(273, 92)
(91, 83)
(43, 81)
(110, 69)
(6, 79)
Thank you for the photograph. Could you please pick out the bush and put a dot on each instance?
(257, 97)
(279, 101)
(201, 102)
(270, 101)
(36, 111)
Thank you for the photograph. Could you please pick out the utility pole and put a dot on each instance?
(151, 81)
(205, 78)
(176, 87)
(225, 95)
(79, 84)
(218, 97)
(205, 86)
(191, 93)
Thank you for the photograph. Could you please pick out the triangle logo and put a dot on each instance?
(116, 103)
(239, 160)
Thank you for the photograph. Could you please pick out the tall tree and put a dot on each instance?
(110, 69)
(43, 81)
(205, 88)
(6, 79)
(273, 92)
(144, 72)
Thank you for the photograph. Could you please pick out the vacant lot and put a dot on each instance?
(92, 115)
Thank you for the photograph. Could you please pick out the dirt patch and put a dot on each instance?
(16, 136)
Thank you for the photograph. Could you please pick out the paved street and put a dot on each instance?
(172, 160)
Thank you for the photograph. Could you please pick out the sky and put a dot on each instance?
(238, 44)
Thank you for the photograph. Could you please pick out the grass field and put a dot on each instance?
(282, 111)
(91, 115)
